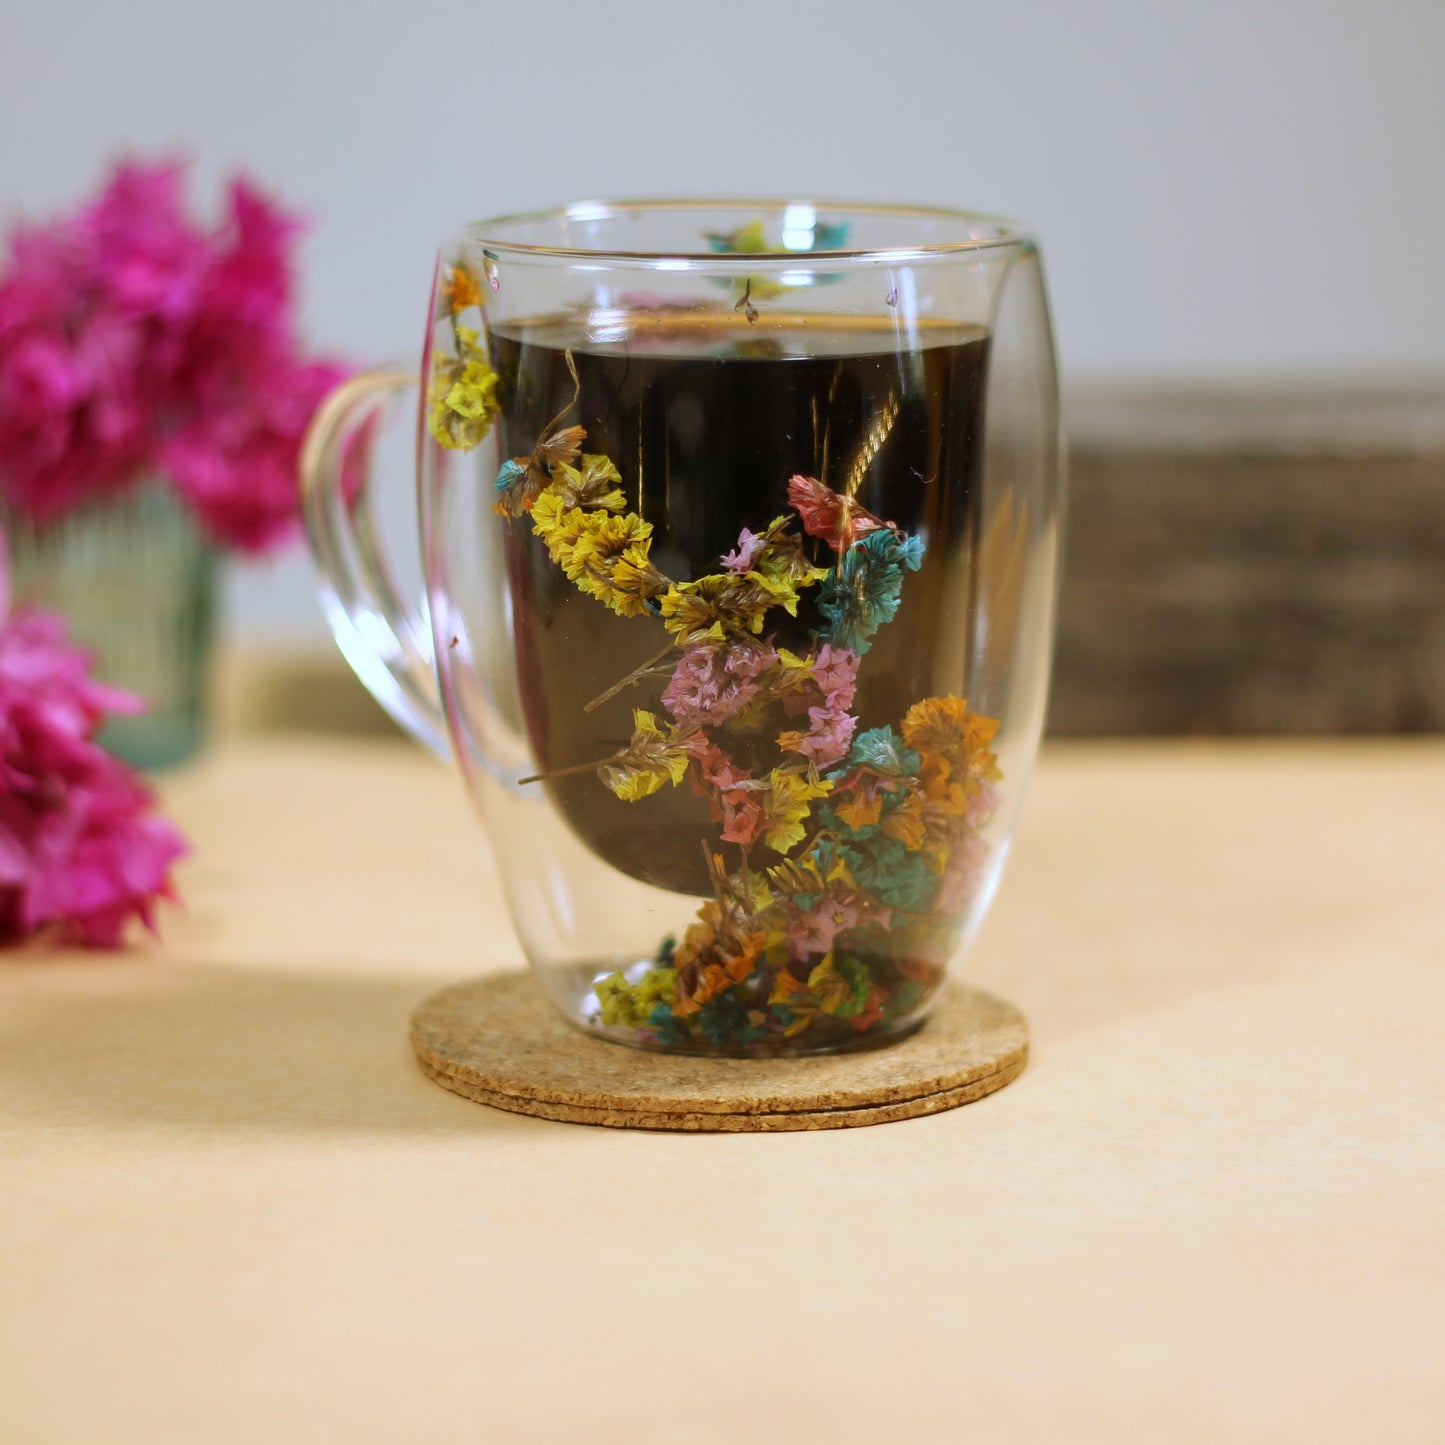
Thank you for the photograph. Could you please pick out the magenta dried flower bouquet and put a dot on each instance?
(134, 342)
(81, 852)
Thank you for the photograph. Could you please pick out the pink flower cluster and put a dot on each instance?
(834, 679)
(711, 684)
(132, 341)
(742, 557)
(79, 850)
(812, 930)
(969, 859)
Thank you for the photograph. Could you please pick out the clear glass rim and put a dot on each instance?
(997, 231)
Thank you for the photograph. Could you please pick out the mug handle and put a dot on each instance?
(386, 639)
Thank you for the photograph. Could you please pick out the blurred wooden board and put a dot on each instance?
(1266, 563)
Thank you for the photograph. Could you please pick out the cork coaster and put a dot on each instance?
(498, 1041)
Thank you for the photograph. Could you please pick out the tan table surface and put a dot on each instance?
(232, 1209)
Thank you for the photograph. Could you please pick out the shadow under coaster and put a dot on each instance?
(498, 1041)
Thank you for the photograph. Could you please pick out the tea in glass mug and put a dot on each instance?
(739, 524)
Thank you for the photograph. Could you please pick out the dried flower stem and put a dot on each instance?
(716, 874)
(745, 305)
(569, 772)
(635, 676)
(576, 394)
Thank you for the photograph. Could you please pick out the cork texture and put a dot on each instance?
(498, 1041)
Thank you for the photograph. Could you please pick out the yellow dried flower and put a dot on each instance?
(792, 993)
(630, 1005)
(635, 581)
(785, 804)
(462, 401)
(808, 875)
(652, 759)
(705, 611)
(789, 674)
(596, 483)
(606, 556)
(780, 561)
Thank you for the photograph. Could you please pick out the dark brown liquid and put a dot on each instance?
(706, 421)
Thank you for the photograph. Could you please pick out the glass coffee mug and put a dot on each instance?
(739, 525)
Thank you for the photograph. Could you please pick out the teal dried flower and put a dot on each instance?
(896, 875)
(883, 750)
(665, 1028)
(862, 593)
(724, 1019)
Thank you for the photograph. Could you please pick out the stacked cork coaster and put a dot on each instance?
(498, 1041)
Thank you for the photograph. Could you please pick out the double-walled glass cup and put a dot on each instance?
(739, 526)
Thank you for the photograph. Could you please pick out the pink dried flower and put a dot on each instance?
(142, 256)
(982, 805)
(240, 331)
(834, 674)
(73, 410)
(237, 467)
(78, 851)
(967, 866)
(742, 557)
(711, 684)
(814, 930)
(828, 737)
(132, 341)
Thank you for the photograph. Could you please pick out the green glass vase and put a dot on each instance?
(136, 581)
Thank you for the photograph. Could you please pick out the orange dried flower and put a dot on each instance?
(460, 289)
(945, 725)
